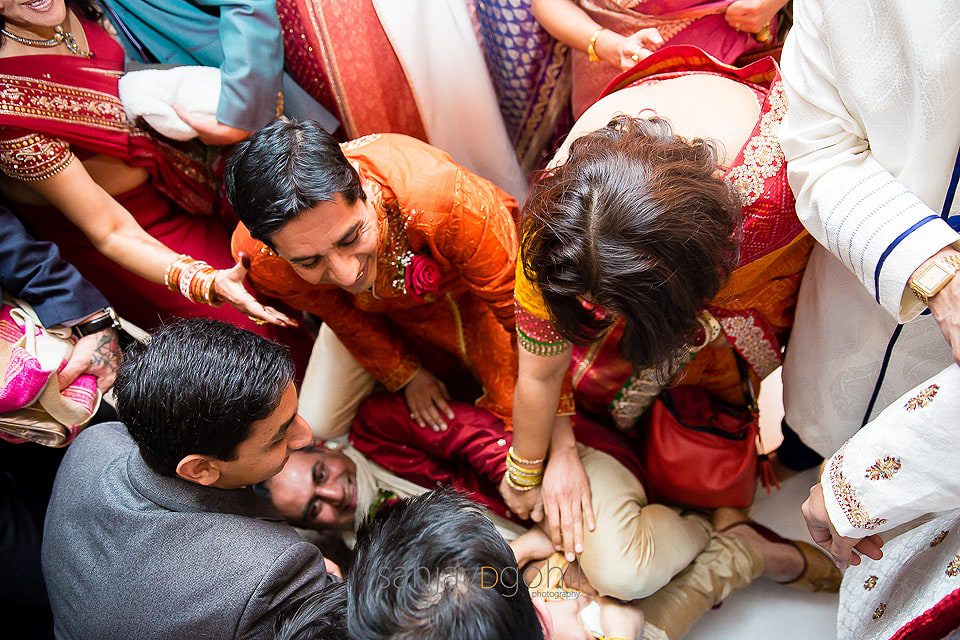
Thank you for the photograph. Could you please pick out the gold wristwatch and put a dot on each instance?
(934, 277)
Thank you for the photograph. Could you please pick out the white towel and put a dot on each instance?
(151, 93)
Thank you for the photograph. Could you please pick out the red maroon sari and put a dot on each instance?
(52, 106)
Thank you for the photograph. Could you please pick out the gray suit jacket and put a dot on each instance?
(129, 553)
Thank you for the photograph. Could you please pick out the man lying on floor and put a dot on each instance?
(638, 552)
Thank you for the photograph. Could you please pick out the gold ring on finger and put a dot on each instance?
(635, 57)
(257, 321)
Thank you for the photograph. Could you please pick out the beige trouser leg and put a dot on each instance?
(333, 387)
(727, 564)
(636, 548)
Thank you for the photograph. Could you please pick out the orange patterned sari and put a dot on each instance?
(754, 310)
(426, 205)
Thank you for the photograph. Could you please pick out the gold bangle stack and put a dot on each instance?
(193, 279)
(592, 46)
(523, 478)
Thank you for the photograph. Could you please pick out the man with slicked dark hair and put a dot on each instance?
(406, 256)
(153, 530)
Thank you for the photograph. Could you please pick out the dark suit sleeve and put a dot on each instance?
(296, 574)
(33, 271)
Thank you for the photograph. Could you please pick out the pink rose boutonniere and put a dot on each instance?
(422, 276)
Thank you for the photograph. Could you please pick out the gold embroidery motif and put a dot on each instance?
(28, 97)
(528, 146)
(34, 157)
(939, 538)
(870, 583)
(393, 247)
(883, 469)
(923, 398)
(953, 569)
(640, 389)
(878, 612)
(458, 320)
(750, 340)
(356, 143)
(856, 513)
(762, 155)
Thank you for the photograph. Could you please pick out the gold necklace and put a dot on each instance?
(59, 36)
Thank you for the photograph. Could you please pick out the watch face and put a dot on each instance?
(932, 278)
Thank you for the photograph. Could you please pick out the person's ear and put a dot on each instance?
(198, 469)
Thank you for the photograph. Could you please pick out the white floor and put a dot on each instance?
(766, 610)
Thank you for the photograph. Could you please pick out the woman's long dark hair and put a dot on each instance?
(638, 222)
(88, 9)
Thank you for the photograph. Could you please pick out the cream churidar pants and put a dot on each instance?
(674, 565)
(333, 387)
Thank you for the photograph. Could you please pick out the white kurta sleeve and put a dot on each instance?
(851, 204)
(902, 465)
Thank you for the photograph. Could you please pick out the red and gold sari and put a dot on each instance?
(698, 23)
(54, 108)
(754, 310)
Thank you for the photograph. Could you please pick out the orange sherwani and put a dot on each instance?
(426, 204)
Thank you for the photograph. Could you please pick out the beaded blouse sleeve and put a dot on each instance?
(29, 156)
(536, 333)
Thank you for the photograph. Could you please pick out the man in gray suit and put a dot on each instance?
(153, 530)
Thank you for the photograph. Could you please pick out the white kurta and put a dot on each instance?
(871, 134)
(892, 474)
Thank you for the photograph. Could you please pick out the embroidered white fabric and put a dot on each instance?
(870, 135)
(892, 474)
(878, 598)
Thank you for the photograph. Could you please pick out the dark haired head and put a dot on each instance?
(284, 169)
(419, 574)
(636, 221)
(197, 387)
(321, 616)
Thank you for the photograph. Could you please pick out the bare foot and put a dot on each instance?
(782, 562)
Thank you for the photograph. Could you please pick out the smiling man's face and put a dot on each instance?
(332, 243)
(317, 489)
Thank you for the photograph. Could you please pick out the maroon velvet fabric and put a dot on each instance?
(469, 455)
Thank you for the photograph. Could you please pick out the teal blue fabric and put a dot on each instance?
(242, 38)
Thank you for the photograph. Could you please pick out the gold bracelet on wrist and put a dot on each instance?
(592, 46)
(519, 487)
(523, 472)
(511, 453)
(525, 480)
(193, 279)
